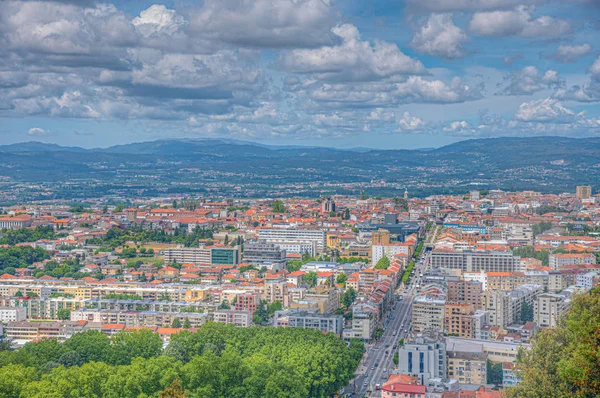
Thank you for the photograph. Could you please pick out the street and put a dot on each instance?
(378, 355)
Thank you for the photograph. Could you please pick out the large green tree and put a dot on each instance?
(91, 345)
(138, 344)
(383, 263)
(278, 206)
(564, 362)
(215, 361)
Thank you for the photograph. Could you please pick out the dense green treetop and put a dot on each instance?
(383, 263)
(20, 235)
(564, 362)
(215, 361)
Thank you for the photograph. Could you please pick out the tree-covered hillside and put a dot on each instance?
(546, 164)
(215, 361)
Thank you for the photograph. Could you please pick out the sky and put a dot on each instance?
(343, 73)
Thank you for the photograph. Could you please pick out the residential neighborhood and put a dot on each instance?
(443, 291)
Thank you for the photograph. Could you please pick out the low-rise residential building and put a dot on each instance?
(497, 351)
(24, 331)
(306, 320)
(558, 260)
(232, 317)
(510, 375)
(139, 318)
(248, 301)
(402, 386)
(12, 314)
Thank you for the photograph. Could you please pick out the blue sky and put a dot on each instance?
(376, 73)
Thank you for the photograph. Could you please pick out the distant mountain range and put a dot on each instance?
(549, 164)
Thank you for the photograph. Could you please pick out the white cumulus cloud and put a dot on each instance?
(468, 5)
(588, 91)
(517, 22)
(457, 126)
(440, 37)
(37, 131)
(352, 60)
(567, 53)
(158, 19)
(265, 23)
(410, 123)
(544, 110)
(529, 80)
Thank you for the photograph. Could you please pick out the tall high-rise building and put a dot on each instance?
(584, 191)
(328, 206)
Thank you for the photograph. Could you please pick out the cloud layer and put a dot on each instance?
(300, 69)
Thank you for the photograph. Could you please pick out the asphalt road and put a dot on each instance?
(397, 326)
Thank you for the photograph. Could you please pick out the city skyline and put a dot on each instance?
(389, 74)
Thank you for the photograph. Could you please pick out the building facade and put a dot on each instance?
(469, 261)
(424, 357)
(286, 237)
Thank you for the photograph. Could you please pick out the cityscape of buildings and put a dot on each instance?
(444, 291)
(299, 199)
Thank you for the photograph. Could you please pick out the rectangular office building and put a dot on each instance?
(469, 261)
(286, 238)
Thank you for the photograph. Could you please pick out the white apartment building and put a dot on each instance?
(20, 221)
(12, 314)
(423, 357)
(188, 255)
(587, 280)
(298, 247)
(428, 314)
(364, 322)
(520, 235)
(389, 251)
(287, 236)
(232, 317)
(548, 308)
(469, 261)
(480, 319)
(555, 261)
